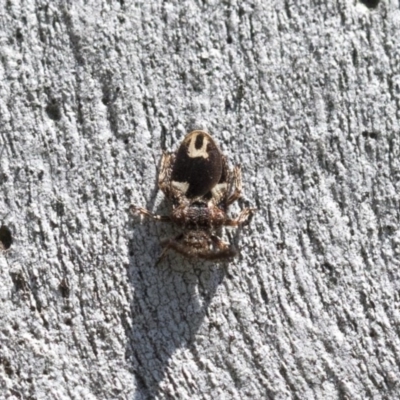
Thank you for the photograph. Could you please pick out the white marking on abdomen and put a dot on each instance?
(181, 186)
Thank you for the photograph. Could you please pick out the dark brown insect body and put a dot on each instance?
(201, 187)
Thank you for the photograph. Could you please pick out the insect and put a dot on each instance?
(199, 184)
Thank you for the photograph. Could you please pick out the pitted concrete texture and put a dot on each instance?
(305, 95)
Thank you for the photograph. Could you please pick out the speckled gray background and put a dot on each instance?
(305, 95)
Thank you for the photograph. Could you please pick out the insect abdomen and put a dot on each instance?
(198, 165)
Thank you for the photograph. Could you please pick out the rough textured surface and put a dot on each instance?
(306, 95)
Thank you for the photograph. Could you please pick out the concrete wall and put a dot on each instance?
(304, 94)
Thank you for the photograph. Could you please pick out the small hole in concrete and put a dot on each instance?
(371, 135)
(370, 3)
(5, 238)
(19, 35)
(53, 111)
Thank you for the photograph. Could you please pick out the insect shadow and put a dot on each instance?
(169, 304)
(170, 299)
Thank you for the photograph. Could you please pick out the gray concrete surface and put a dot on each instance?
(304, 94)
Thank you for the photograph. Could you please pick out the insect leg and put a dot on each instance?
(242, 219)
(237, 184)
(142, 211)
